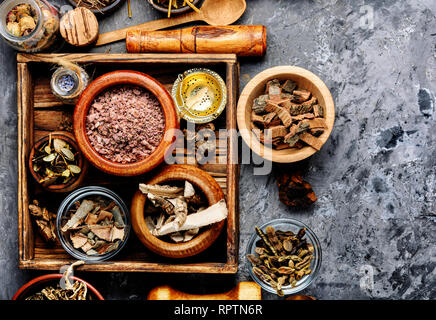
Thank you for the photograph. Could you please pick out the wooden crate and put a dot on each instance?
(39, 112)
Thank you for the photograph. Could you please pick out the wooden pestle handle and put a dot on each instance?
(120, 34)
(239, 39)
(245, 290)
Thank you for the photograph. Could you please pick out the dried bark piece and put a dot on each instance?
(317, 123)
(294, 191)
(273, 82)
(103, 232)
(85, 207)
(117, 234)
(318, 110)
(91, 219)
(289, 86)
(259, 104)
(310, 103)
(301, 95)
(268, 118)
(297, 109)
(312, 141)
(275, 92)
(78, 239)
(282, 113)
(278, 131)
(257, 119)
(303, 116)
(103, 215)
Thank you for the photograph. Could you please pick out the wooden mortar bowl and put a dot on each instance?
(256, 86)
(133, 78)
(83, 164)
(199, 179)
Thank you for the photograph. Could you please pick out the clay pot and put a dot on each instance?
(125, 78)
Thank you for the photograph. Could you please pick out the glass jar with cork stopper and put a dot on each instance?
(29, 25)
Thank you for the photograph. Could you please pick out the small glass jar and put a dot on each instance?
(67, 84)
(42, 36)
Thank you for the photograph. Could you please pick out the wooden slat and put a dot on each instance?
(130, 58)
(232, 81)
(25, 140)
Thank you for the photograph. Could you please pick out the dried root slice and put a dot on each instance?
(161, 202)
(211, 215)
(159, 190)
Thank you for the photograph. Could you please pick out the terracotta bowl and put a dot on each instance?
(256, 86)
(122, 78)
(164, 9)
(39, 283)
(199, 179)
(83, 164)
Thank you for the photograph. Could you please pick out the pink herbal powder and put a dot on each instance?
(125, 124)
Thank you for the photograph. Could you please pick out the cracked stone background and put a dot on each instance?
(375, 177)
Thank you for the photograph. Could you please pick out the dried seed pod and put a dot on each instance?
(287, 245)
(265, 240)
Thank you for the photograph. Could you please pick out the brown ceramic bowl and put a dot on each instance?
(199, 179)
(256, 86)
(125, 78)
(164, 9)
(39, 283)
(83, 164)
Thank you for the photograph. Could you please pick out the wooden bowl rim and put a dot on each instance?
(49, 277)
(83, 164)
(197, 244)
(112, 79)
(286, 155)
(176, 11)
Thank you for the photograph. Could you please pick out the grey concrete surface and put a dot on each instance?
(375, 178)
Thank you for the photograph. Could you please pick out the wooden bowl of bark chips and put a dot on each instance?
(285, 114)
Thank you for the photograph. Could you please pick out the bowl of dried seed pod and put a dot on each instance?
(56, 162)
(180, 212)
(285, 114)
(284, 256)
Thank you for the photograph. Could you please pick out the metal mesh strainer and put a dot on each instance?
(200, 95)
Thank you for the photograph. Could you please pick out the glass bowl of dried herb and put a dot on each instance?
(56, 163)
(93, 224)
(284, 256)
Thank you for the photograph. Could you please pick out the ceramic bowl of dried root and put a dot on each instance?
(285, 114)
(93, 224)
(180, 212)
(283, 256)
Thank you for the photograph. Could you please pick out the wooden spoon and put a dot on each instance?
(223, 12)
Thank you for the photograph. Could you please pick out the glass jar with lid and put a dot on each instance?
(29, 25)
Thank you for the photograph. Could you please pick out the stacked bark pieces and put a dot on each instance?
(287, 117)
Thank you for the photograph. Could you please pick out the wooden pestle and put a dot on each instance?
(239, 39)
(244, 290)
